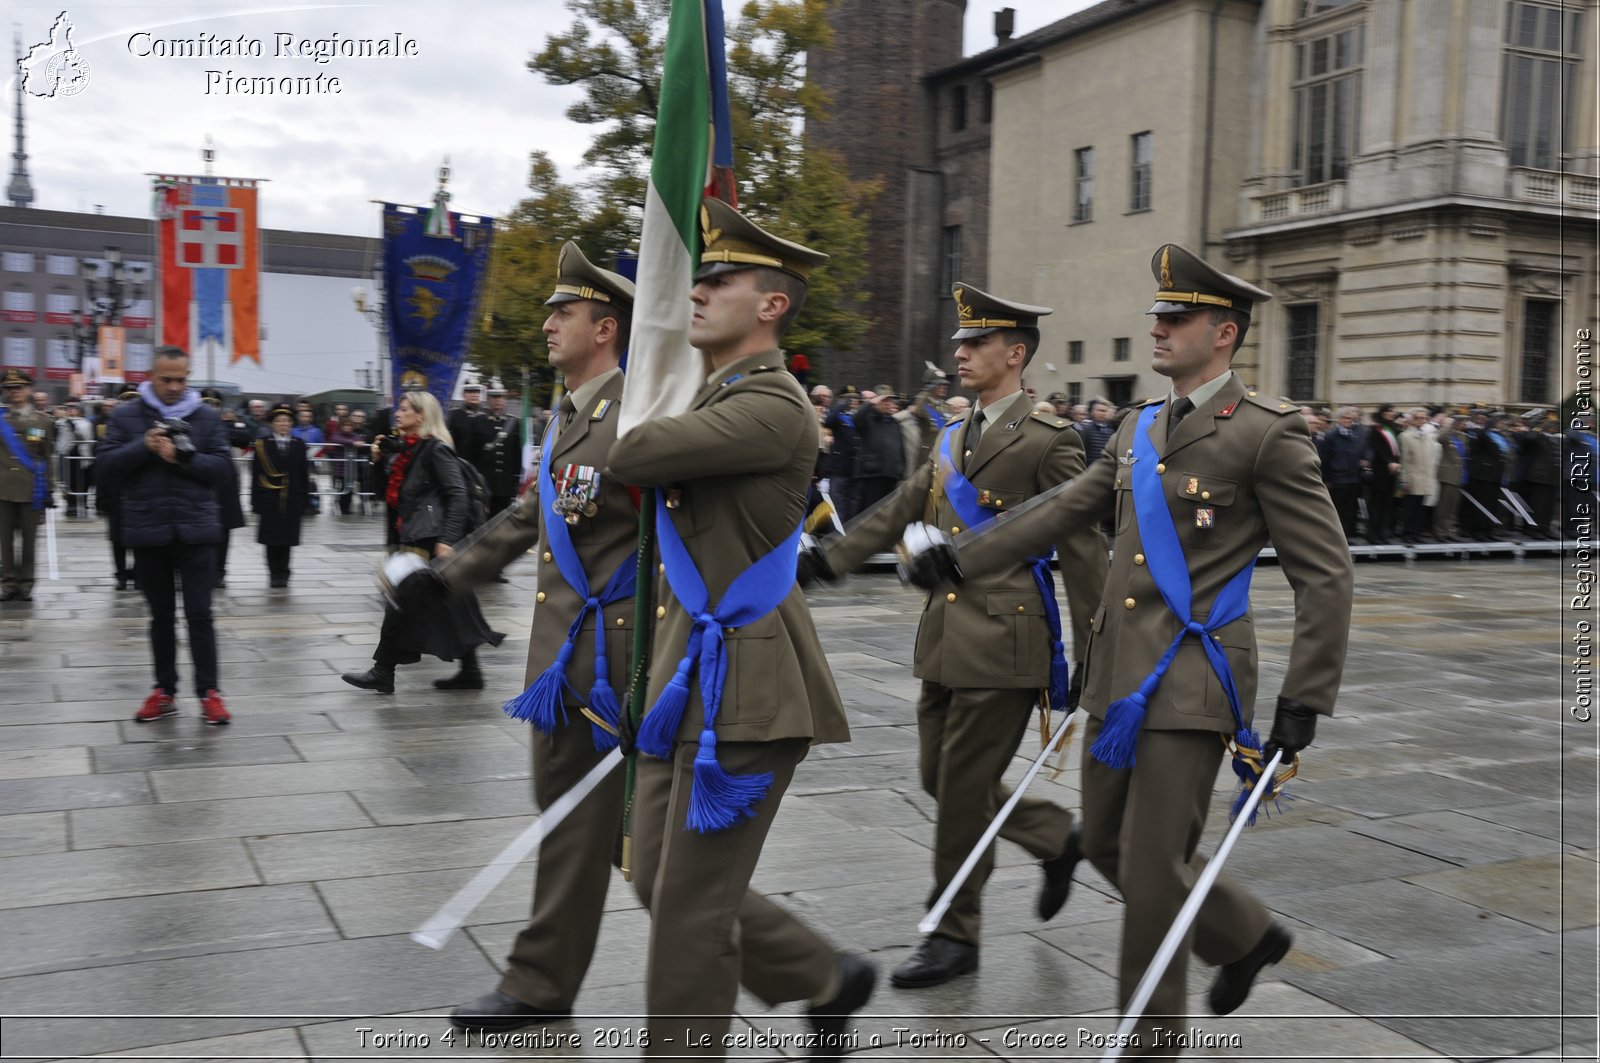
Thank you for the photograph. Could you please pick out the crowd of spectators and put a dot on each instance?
(1415, 475)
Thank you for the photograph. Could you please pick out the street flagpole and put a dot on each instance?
(664, 371)
(1191, 907)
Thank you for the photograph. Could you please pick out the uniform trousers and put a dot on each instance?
(1141, 830)
(1444, 514)
(553, 952)
(709, 933)
(278, 561)
(156, 568)
(16, 568)
(1477, 521)
(967, 738)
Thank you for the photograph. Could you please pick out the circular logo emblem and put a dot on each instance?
(66, 73)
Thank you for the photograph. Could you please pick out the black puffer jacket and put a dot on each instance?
(882, 450)
(160, 502)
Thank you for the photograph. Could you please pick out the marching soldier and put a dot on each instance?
(500, 457)
(985, 651)
(25, 490)
(1196, 481)
(739, 687)
(588, 524)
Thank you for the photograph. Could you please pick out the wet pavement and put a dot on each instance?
(173, 890)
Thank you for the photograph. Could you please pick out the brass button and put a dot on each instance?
(1119, 481)
(1022, 609)
(950, 597)
(1128, 602)
(955, 531)
(1160, 468)
(1138, 559)
(1252, 394)
(1205, 494)
(539, 597)
(547, 556)
(620, 621)
(662, 569)
(661, 611)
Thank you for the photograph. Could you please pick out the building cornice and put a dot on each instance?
(1480, 203)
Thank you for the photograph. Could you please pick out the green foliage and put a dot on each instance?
(613, 51)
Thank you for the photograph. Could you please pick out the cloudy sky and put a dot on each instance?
(465, 93)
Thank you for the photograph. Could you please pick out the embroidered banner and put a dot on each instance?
(210, 264)
(431, 284)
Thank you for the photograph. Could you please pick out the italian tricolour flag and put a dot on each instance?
(664, 372)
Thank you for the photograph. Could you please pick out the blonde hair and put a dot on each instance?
(433, 425)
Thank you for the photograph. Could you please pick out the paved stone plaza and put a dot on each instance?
(248, 891)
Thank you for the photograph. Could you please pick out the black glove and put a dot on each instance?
(813, 565)
(627, 731)
(1293, 728)
(927, 558)
(1075, 689)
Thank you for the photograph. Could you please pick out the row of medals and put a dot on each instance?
(577, 492)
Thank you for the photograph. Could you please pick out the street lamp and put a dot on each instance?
(107, 292)
(372, 309)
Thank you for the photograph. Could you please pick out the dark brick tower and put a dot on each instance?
(881, 119)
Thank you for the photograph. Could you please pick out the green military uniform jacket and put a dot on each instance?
(1239, 471)
(739, 465)
(33, 431)
(602, 542)
(991, 631)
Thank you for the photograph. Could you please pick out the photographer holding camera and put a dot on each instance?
(167, 453)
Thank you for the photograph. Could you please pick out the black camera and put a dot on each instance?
(391, 444)
(177, 430)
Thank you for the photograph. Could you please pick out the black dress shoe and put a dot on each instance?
(935, 962)
(374, 678)
(122, 583)
(1235, 979)
(6, 596)
(496, 1011)
(1058, 876)
(857, 978)
(466, 679)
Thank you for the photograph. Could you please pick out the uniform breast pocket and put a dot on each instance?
(1124, 515)
(751, 692)
(1022, 612)
(1202, 508)
(997, 498)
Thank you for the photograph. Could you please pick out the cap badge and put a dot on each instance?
(1166, 266)
(711, 235)
(963, 311)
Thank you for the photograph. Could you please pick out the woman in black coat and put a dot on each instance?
(427, 507)
(238, 436)
(280, 492)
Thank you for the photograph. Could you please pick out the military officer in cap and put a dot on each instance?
(281, 490)
(500, 457)
(925, 417)
(717, 754)
(588, 524)
(466, 423)
(986, 651)
(1197, 481)
(25, 488)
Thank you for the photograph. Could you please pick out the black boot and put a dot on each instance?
(469, 678)
(379, 677)
(1235, 979)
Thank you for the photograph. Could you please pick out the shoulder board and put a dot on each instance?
(1274, 403)
(1051, 419)
(776, 367)
(1149, 402)
(602, 408)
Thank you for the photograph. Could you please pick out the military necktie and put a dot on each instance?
(974, 432)
(568, 408)
(1180, 410)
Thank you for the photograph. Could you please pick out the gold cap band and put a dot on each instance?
(742, 257)
(583, 292)
(1193, 297)
(987, 322)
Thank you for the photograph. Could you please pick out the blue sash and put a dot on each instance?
(1164, 555)
(8, 436)
(718, 800)
(934, 415)
(964, 500)
(542, 703)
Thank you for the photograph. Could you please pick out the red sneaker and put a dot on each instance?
(157, 705)
(212, 710)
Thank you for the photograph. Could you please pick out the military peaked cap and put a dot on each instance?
(16, 378)
(280, 411)
(979, 313)
(1184, 283)
(578, 278)
(734, 242)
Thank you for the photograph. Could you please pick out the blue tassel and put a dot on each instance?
(603, 700)
(718, 800)
(659, 728)
(541, 704)
(1120, 733)
(1249, 774)
(1060, 678)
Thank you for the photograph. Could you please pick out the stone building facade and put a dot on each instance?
(1414, 180)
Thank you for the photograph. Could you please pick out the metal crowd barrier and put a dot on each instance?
(345, 479)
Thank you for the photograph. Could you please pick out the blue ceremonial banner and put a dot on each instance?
(432, 277)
